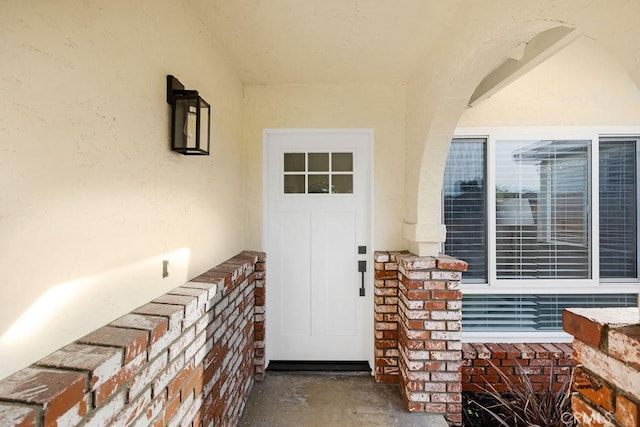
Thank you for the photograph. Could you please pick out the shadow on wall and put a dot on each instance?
(68, 310)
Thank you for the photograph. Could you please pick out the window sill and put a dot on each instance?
(553, 287)
(516, 337)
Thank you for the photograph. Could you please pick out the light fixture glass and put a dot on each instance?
(190, 119)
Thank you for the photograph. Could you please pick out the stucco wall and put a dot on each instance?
(376, 106)
(92, 199)
(580, 85)
(442, 83)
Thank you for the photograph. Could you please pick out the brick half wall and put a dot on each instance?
(189, 357)
(481, 362)
(607, 381)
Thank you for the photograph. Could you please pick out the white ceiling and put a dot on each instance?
(328, 41)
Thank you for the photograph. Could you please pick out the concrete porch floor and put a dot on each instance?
(329, 399)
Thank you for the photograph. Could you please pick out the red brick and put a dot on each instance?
(468, 352)
(17, 416)
(102, 363)
(387, 379)
(201, 295)
(133, 410)
(419, 295)
(566, 349)
(435, 345)
(540, 351)
(156, 326)
(444, 262)
(448, 295)
(412, 262)
(438, 408)
(511, 351)
(627, 412)
(554, 351)
(133, 341)
(496, 351)
(413, 284)
(482, 351)
(583, 328)
(56, 391)
(145, 376)
(104, 391)
(525, 351)
(587, 415)
(175, 385)
(171, 409)
(386, 274)
(415, 406)
(435, 285)
(175, 313)
(624, 344)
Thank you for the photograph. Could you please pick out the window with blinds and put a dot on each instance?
(543, 230)
(530, 313)
(464, 204)
(618, 208)
(542, 200)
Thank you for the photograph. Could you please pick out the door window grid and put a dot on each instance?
(318, 172)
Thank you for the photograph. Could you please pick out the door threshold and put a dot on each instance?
(318, 366)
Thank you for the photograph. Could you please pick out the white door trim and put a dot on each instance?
(266, 211)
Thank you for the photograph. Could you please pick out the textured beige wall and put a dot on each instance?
(376, 106)
(486, 34)
(92, 199)
(580, 85)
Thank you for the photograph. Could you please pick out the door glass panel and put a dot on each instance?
(318, 183)
(318, 173)
(294, 184)
(318, 162)
(342, 162)
(342, 184)
(294, 162)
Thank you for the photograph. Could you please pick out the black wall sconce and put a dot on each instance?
(190, 119)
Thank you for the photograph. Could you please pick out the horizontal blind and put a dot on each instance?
(618, 208)
(530, 313)
(464, 203)
(542, 209)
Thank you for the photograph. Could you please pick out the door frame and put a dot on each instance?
(266, 211)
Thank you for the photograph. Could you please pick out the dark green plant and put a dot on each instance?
(522, 405)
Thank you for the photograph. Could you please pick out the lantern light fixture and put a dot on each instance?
(190, 119)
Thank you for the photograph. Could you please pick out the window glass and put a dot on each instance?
(319, 162)
(464, 206)
(342, 162)
(542, 200)
(618, 209)
(294, 162)
(529, 312)
(342, 184)
(319, 184)
(294, 184)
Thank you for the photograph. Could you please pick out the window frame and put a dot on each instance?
(594, 285)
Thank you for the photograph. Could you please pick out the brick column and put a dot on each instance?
(429, 337)
(386, 316)
(418, 314)
(607, 379)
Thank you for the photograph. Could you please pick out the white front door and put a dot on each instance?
(316, 216)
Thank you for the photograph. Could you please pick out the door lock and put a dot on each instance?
(362, 268)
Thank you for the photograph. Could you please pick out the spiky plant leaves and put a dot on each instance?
(522, 405)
